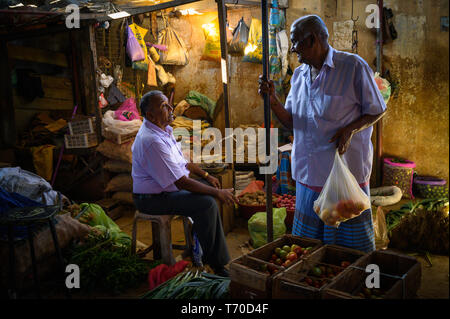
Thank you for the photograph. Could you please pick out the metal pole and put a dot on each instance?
(379, 124)
(267, 115)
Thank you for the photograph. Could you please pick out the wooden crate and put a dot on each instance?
(85, 140)
(246, 273)
(247, 279)
(265, 252)
(226, 211)
(400, 276)
(117, 137)
(290, 283)
(352, 283)
(82, 125)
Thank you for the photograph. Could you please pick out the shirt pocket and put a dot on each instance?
(331, 107)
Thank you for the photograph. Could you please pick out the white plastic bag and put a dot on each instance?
(176, 53)
(341, 197)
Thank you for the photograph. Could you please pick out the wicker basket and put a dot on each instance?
(430, 187)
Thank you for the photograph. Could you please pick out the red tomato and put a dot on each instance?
(291, 256)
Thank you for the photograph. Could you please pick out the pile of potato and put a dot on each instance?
(257, 198)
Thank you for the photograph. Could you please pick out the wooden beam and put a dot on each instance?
(56, 82)
(138, 10)
(37, 55)
(53, 93)
(7, 123)
(42, 104)
(243, 3)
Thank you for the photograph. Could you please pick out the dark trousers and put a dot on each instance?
(204, 212)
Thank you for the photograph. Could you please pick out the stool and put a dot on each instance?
(162, 237)
(29, 217)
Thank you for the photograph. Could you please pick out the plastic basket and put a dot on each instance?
(85, 140)
(82, 125)
(430, 187)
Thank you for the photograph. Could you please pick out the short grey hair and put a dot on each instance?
(313, 24)
(146, 101)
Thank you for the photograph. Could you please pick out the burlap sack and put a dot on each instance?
(120, 183)
(124, 197)
(67, 230)
(117, 166)
(121, 152)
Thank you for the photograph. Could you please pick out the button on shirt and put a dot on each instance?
(157, 160)
(343, 91)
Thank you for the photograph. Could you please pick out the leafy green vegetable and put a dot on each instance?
(106, 265)
(191, 285)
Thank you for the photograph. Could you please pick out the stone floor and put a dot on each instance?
(435, 278)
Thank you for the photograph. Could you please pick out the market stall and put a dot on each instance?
(81, 118)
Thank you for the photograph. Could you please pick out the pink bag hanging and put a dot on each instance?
(134, 49)
(127, 111)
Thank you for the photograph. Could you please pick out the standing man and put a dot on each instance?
(333, 103)
(161, 183)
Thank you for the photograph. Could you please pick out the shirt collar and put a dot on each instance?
(328, 61)
(149, 125)
(329, 58)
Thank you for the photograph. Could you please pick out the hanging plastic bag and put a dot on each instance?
(240, 38)
(257, 226)
(134, 50)
(151, 74)
(140, 33)
(253, 50)
(163, 77)
(176, 53)
(384, 86)
(341, 197)
(211, 51)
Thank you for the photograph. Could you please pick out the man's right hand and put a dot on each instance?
(266, 87)
(226, 196)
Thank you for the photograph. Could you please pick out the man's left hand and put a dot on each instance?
(342, 138)
(213, 181)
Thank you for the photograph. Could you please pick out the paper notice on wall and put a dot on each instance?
(342, 35)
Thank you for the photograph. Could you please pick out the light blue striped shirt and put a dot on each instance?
(343, 91)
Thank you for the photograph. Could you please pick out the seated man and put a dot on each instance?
(161, 183)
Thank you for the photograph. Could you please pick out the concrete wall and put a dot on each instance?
(416, 126)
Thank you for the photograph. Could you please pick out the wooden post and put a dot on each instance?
(267, 116)
(7, 121)
(224, 54)
(222, 12)
(379, 124)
